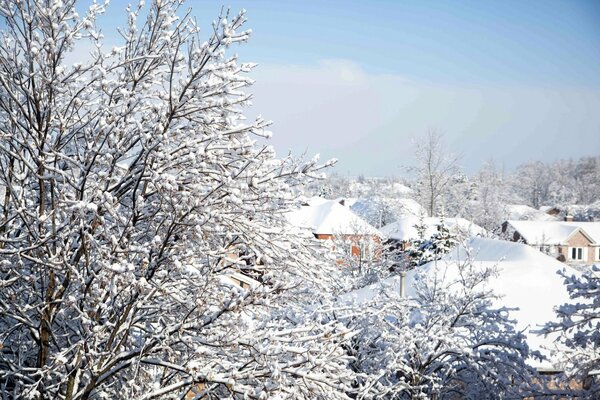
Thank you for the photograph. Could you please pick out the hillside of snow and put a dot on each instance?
(527, 280)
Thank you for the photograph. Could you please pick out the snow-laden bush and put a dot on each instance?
(447, 341)
(579, 324)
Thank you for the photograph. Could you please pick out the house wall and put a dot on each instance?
(579, 240)
(562, 252)
(323, 236)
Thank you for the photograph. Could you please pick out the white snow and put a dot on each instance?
(402, 207)
(315, 201)
(527, 280)
(405, 228)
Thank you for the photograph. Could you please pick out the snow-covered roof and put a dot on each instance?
(527, 279)
(581, 212)
(405, 228)
(592, 229)
(554, 232)
(330, 217)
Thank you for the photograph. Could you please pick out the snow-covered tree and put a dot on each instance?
(586, 179)
(558, 183)
(579, 325)
(423, 250)
(562, 189)
(459, 197)
(435, 171)
(488, 210)
(376, 210)
(532, 182)
(447, 341)
(133, 186)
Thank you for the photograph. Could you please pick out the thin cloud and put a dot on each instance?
(367, 120)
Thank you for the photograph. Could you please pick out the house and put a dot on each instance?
(330, 220)
(567, 241)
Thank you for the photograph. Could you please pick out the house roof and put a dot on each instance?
(554, 232)
(404, 228)
(524, 281)
(330, 217)
(592, 229)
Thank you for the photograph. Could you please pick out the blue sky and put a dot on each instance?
(448, 41)
(363, 80)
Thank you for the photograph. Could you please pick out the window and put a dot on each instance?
(577, 253)
(598, 254)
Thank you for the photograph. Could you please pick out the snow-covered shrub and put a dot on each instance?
(579, 323)
(447, 341)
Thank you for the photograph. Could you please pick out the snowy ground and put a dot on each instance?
(527, 280)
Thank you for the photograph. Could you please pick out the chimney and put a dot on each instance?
(568, 218)
(342, 202)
